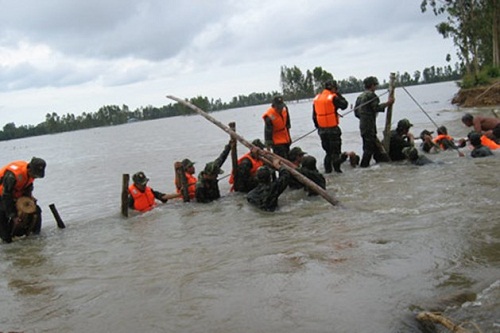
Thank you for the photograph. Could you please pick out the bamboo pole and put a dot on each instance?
(125, 180)
(388, 116)
(440, 319)
(55, 213)
(266, 156)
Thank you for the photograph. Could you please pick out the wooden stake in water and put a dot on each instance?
(388, 116)
(125, 180)
(59, 221)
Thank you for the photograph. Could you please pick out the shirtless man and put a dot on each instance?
(481, 124)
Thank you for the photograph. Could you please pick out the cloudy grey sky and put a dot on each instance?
(69, 56)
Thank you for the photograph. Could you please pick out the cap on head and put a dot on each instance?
(37, 167)
(331, 84)
(424, 133)
(258, 143)
(404, 124)
(263, 174)
(309, 162)
(370, 81)
(186, 163)
(442, 130)
(295, 152)
(278, 101)
(213, 169)
(140, 178)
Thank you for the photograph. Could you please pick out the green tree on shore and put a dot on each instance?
(474, 27)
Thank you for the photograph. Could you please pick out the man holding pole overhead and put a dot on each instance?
(366, 109)
(326, 120)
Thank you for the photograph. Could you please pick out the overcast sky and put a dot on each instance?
(69, 56)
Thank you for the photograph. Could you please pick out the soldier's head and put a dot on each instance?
(370, 82)
(467, 119)
(263, 174)
(331, 85)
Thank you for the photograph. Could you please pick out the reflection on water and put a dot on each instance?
(404, 238)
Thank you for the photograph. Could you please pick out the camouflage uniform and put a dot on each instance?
(367, 115)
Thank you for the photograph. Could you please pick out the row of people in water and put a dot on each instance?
(253, 177)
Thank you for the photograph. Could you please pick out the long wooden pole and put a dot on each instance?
(388, 116)
(264, 155)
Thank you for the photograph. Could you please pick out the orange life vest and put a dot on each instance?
(485, 141)
(326, 113)
(255, 165)
(143, 201)
(191, 183)
(441, 137)
(280, 131)
(20, 171)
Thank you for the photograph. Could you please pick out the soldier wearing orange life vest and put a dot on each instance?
(16, 181)
(326, 120)
(444, 140)
(142, 197)
(277, 127)
(244, 178)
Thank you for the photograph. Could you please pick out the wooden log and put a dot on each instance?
(388, 115)
(266, 156)
(59, 221)
(125, 180)
(442, 320)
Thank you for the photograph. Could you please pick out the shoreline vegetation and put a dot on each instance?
(295, 85)
(481, 96)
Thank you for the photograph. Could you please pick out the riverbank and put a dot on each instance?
(488, 95)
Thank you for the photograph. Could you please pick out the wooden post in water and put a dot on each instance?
(125, 180)
(59, 221)
(388, 116)
(234, 152)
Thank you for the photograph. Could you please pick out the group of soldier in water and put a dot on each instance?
(251, 174)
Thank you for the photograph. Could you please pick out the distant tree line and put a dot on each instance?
(295, 86)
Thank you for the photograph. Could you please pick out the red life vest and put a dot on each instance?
(191, 183)
(280, 131)
(485, 141)
(441, 137)
(326, 113)
(255, 165)
(143, 201)
(23, 180)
